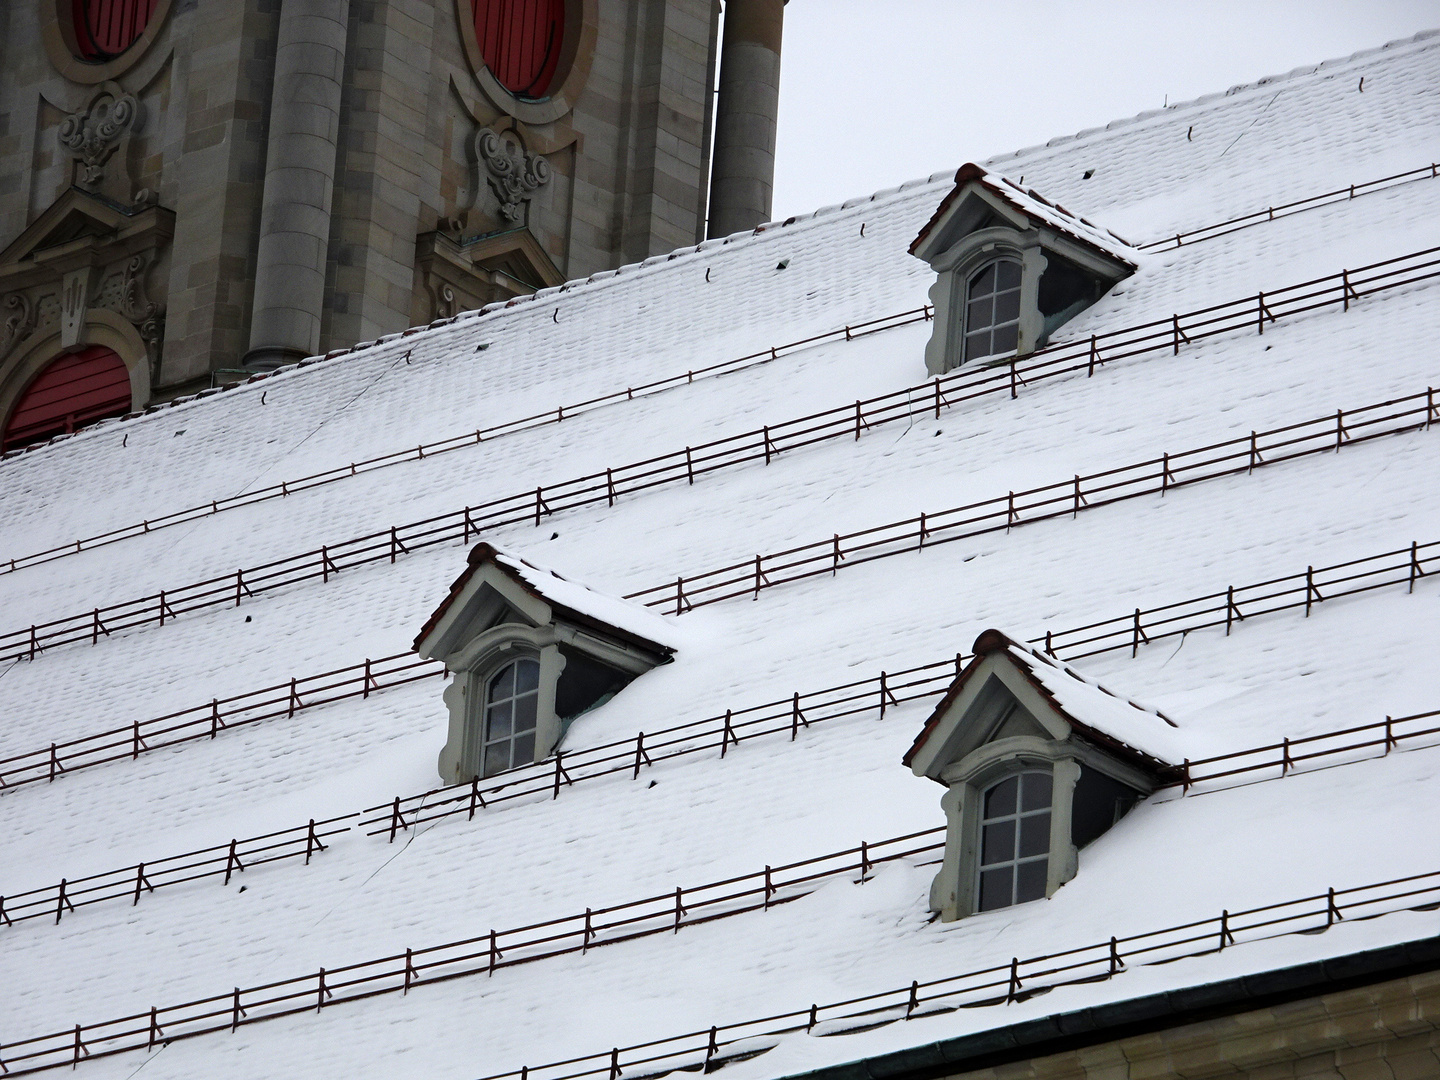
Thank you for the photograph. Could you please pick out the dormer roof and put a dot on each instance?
(1025, 208)
(494, 578)
(1139, 734)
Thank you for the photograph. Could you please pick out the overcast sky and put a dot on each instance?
(876, 92)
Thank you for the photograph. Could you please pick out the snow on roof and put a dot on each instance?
(1134, 729)
(771, 799)
(570, 599)
(1037, 209)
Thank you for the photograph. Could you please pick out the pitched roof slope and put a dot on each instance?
(723, 810)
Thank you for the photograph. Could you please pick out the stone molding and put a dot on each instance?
(459, 275)
(82, 257)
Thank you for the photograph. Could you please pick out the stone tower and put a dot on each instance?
(190, 191)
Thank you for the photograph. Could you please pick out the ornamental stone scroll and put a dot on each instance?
(514, 173)
(93, 134)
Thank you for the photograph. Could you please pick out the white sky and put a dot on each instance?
(876, 92)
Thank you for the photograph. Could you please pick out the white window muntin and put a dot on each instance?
(512, 695)
(1014, 841)
(992, 310)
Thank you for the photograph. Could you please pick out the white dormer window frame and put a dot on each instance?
(995, 724)
(1065, 265)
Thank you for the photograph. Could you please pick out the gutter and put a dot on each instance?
(1069, 1031)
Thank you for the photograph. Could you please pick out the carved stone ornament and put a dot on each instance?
(93, 134)
(514, 173)
(135, 305)
(20, 319)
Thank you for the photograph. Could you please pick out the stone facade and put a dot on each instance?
(1386, 1031)
(446, 191)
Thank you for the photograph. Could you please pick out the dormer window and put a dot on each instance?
(511, 701)
(992, 310)
(1037, 762)
(1012, 269)
(530, 652)
(1015, 841)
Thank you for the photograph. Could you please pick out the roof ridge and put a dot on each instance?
(1205, 99)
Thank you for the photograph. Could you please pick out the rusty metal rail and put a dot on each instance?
(865, 697)
(1242, 455)
(997, 984)
(1067, 498)
(1272, 213)
(664, 913)
(283, 700)
(222, 860)
(1165, 335)
(558, 415)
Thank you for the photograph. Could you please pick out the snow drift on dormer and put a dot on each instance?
(567, 598)
(1138, 726)
(1139, 731)
(1036, 209)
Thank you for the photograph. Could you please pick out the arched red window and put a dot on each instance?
(77, 389)
(106, 28)
(520, 41)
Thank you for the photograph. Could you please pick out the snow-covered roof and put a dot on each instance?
(759, 777)
(1100, 714)
(1036, 208)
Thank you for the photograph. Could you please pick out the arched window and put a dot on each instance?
(106, 28)
(520, 41)
(1015, 841)
(992, 310)
(510, 699)
(74, 390)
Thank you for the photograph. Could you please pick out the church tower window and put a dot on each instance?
(521, 41)
(71, 391)
(106, 28)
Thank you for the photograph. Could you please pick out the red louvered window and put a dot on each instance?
(106, 28)
(75, 390)
(520, 41)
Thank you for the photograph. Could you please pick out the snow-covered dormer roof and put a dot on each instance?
(1030, 205)
(566, 600)
(1142, 734)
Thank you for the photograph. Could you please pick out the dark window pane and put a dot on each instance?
(497, 758)
(1000, 800)
(1009, 275)
(977, 345)
(995, 888)
(1037, 791)
(1034, 835)
(979, 314)
(524, 750)
(497, 721)
(1030, 880)
(525, 713)
(983, 282)
(1003, 340)
(503, 685)
(997, 843)
(527, 676)
(1007, 306)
